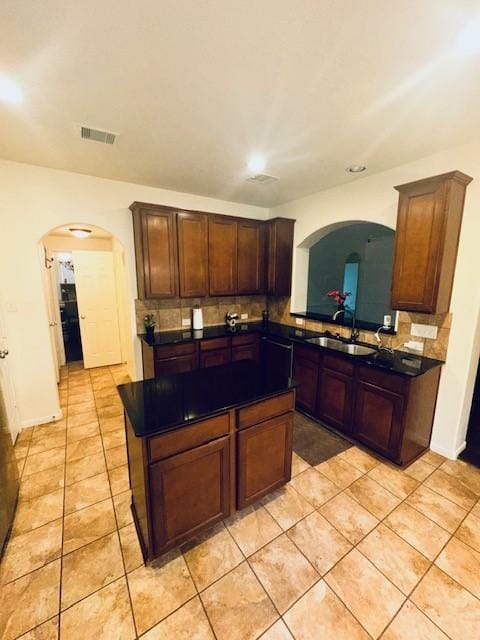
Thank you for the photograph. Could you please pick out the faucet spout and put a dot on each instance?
(354, 332)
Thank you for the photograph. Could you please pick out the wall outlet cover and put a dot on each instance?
(415, 346)
(424, 330)
(387, 321)
(186, 322)
(244, 316)
(300, 321)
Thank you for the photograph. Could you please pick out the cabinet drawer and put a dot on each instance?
(245, 352)
(186, 438)
(264, 410)
(249, 338)
(214, 343)
(338, 364)
(307, 353)
(215, 358)
(172, 350)
(178, 364)
(383, 379)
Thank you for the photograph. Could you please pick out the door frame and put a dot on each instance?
(8, 389)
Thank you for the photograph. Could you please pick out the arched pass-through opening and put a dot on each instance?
(86, 296)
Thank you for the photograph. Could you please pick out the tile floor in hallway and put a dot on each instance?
(349, 549)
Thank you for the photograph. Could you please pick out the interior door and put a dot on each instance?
(6, 385)
(97, 308)
(53, 313)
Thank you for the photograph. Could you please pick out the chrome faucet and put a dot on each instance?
(380, 345)
(354, 332)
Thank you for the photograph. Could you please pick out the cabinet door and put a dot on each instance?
(418, 248)
(378, 417)
(251, 257)
(155, 252)
(305, 372)
(215, 358)
(192, 254)
(178, 364)
(222, 245)
(264, 458)
(335, 398)
(280, 252)
(189, 492)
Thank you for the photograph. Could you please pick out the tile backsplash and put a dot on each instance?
(170, 313)
(279, 311)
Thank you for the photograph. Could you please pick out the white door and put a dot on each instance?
(97, 307)
(6, 384)
(52, 306)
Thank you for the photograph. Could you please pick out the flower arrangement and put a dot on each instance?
(338, 296)
(149, 322)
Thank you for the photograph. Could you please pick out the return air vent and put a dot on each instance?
(262, 178)
(107, 137)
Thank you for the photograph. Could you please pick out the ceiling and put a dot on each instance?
(194, 87)
(96, 232)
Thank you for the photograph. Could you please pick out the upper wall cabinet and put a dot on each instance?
(251, 265)
(192, 231)
(155, 235)
(426, 242)
(280, 251)
(222, 245)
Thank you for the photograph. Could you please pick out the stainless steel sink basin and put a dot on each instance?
(338, 345)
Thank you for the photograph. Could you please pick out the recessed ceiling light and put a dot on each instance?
(356, 168)
(9, 91)
(80, 233)
(257, 163)
(468, 40)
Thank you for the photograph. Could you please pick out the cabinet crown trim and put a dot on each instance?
(463, 178)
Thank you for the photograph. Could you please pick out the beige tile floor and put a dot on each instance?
(351, 549)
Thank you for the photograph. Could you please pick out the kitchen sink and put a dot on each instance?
(338, 345)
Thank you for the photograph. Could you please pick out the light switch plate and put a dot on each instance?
(186, 322)
(300, 321)
(424, 330)
(244, 316)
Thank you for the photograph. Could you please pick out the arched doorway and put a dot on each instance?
(85, 287)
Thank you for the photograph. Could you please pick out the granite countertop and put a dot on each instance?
(399, 362)
(168, 402)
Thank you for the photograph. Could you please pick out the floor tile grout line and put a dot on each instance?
(60, 590)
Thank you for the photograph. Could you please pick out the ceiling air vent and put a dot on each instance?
(107, 137)
(262, 178)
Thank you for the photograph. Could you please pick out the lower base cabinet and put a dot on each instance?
(264, 458)
(389, 412)
(192, 490)
(187, 479)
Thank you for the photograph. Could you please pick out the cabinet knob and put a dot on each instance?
(3, 353)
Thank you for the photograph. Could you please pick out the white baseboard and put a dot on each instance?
(33, 422)
(448, 453)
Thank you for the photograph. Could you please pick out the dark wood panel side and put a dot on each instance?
(305, 372)
(420, 411)
(138, 471)
(148, 361)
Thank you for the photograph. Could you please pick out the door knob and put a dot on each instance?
(3, 353)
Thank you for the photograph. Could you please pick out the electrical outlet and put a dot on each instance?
(300, 321)
(387, 321)
(186, 322)
(244, 316)
(424, 330)
(415, 346)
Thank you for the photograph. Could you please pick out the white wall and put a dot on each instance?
(33, 201)
(373, 198)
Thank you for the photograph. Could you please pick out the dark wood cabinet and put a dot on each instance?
(192, 229)
(215, 358)
(222, 244)
(264, 458)
(186, 479)
(250, 257)
(378, 418)
(177, 364)
(305, 372)
(335, 396)
(155, 237)
(426, 242)
(191, 490)
(246, 347)
(280, 252)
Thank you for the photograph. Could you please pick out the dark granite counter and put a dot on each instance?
(399, 362)
(168, 402)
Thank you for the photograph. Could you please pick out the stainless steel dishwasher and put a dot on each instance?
(278, 355)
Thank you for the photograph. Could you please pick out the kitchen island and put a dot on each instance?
(202, 444)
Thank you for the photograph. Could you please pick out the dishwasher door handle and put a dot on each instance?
(278, 344)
